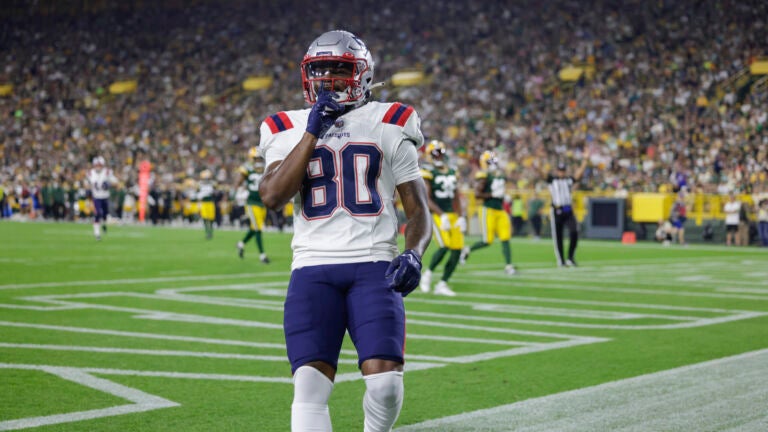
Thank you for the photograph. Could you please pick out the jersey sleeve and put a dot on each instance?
(481, 175)
(412, 130)
(426, 174)
(405, 164)
(279, 134)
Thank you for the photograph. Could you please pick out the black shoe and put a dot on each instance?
(264, 258)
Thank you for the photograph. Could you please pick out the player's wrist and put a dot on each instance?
(414, 253)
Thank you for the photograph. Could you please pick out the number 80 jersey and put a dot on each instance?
(345, 210)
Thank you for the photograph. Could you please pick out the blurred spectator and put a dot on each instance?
(660, 105)
(665, 232)
(762, 221)
(678, 216)
(732, 210)
(535, 204)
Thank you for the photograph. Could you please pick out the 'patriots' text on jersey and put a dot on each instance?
(345, 209)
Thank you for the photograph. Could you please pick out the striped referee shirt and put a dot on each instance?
(560, 189)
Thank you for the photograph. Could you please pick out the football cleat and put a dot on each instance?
(426, 281)
(240, 250)
(510, 269)
(264, 258)
(464, 255)
(442, 289)
(571, 263)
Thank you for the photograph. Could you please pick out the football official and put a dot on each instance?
(561, 214)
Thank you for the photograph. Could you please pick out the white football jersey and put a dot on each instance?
(345, 209)
(100, 182)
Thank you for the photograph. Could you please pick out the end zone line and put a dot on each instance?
(729, 393)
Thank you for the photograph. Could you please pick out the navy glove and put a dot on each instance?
(404, 272)
(323, 114)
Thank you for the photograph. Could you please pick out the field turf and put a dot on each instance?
(157, 329)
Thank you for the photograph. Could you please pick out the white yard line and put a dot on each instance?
(133, 281)
(158, 336)
(141, 401)
(728, 394)
(586, 286)
(699, 322)
(150, 352)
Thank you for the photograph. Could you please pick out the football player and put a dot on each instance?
(100, 179)
(251, 174)
(206, 189)
(448, 221)
(342, 162)
(491, 187)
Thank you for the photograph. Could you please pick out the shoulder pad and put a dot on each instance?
(278, 122)
(427, 174)
(481, 175)
(397, 114)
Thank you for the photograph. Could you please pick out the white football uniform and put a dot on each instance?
(100, 181)
(345, 209)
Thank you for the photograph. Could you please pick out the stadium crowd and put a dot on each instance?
(658, 107)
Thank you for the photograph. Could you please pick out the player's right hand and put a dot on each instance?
(323, 114)
(404, 273)
(445, 222)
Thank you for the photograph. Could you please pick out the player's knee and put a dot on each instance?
(385, 389)
(311, 386)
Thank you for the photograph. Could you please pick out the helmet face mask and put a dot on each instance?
(489, 161)
(258, 161)
(436, 153)
(338, 61)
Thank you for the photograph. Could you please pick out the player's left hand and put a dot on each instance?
(461, 224)
(404, 273)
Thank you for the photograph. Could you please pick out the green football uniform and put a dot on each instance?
(443, 185)
(252, 180)
(496, 186)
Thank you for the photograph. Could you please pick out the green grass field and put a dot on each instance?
(157, 329)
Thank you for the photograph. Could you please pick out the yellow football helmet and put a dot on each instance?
(436, 153)
(206, 174)
(489, 161)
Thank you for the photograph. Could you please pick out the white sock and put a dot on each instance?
(311, 390)
(382, 401)
(97, 230)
